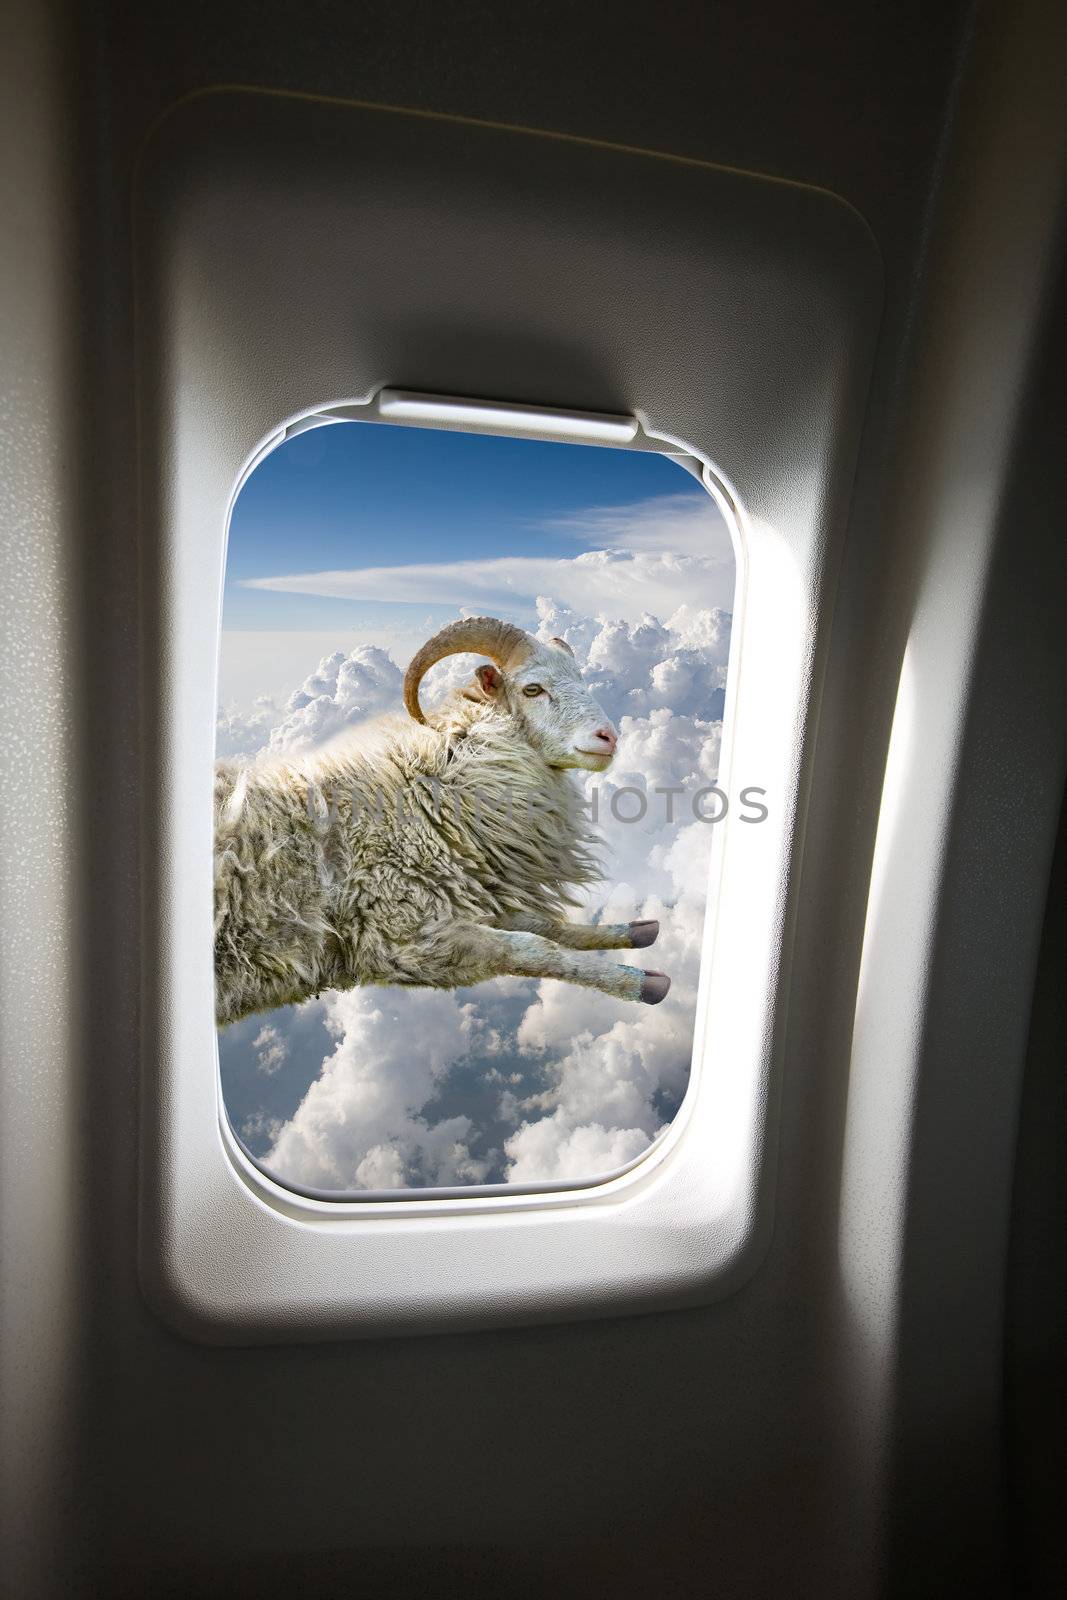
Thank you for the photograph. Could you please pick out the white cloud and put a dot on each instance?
(341, 691)
(344, 689)
(359, 1124)
(272, 1050)
(260, 1125)
(643, 665)
(243, 733)
(616, 582)
(689, 523)
(549, 1152)
(609, 1074)
(264, 663)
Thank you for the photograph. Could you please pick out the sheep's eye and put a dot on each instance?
(533, 688)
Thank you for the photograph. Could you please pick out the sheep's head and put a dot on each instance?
(538, 685)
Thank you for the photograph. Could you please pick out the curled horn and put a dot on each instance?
(502, 642)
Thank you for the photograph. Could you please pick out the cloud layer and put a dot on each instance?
(517, 1080)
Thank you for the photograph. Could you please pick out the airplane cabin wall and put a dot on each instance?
(807, 1436)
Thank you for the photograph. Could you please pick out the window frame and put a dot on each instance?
(765, 273)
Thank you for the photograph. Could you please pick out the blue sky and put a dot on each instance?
(356, 495)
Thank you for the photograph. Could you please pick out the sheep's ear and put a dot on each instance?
(561, 644)
(489, 679)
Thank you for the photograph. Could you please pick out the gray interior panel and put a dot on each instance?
(835, 1424)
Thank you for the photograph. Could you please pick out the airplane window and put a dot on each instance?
(470, 706)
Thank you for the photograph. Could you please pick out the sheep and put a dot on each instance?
(436, 850)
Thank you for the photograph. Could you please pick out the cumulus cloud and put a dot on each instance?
(644, 665)
(612, 1082)
(260, 1125)
(360, 1124)
(244, 733)
(344, 689)
(516, 1080)
(545, 1152)
(272, 1050)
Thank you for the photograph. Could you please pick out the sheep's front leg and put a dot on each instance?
(500, 953)
(584, 935)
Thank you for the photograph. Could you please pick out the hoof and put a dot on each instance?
(654, 986)
(642, 934)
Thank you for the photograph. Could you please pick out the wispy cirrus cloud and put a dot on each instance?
(618, 583)
(687, 524)
(642, 557)
(513, 1081)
